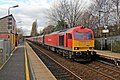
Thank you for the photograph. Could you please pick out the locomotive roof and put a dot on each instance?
(63, 31)
(68, 30)
(57, 32)
(78, 27)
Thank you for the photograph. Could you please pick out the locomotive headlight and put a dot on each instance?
(76, 48)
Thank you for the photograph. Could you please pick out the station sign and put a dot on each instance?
(105, 31)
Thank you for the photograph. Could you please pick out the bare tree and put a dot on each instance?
(68, 10)
(19, 33)
(116, 9)
(106, 13)
(104, 10)
(48, 29)
(56, 13)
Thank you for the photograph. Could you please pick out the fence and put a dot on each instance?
(5, 49)
(110, 42)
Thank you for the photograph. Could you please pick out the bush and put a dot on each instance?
(109, 46)
(116, 47)
(97, 45)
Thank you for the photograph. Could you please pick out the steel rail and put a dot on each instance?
(58, 63)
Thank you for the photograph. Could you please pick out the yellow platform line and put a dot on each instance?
(26, 66)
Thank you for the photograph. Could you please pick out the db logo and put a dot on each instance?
(49, 40)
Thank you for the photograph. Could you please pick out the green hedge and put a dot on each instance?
(97, 45)
(116, 47)
(1, 63)
(109, 46)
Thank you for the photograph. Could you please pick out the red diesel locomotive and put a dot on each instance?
(76, 43)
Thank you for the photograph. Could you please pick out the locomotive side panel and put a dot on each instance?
(52, 40)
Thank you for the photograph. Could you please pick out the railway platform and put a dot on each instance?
(109, 55)
(24, 64)
(14, 68)
(40, 71)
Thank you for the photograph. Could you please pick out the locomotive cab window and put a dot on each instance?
(69, 36)
(83, 35)
(88, 35)
(79, 36)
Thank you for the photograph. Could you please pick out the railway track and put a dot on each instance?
(104, 69)
(59, 71)
(89, 71)
(109, 61)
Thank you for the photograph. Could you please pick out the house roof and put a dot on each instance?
(8, 16)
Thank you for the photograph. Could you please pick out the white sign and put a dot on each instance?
(105, 27)
(105, 31)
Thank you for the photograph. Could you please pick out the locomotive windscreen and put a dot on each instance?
(82, 35)
(88, 35)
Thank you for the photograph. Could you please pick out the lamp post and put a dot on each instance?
(9, 12)
(12, 7)
(9, 27)
(105, 31)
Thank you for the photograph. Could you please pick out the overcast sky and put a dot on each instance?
(27, 12)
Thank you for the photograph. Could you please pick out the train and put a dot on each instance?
(75, 43)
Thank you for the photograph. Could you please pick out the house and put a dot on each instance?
(8, 29)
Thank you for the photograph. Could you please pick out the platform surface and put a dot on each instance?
(14, 69)
(41, 72)
(108, 54)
